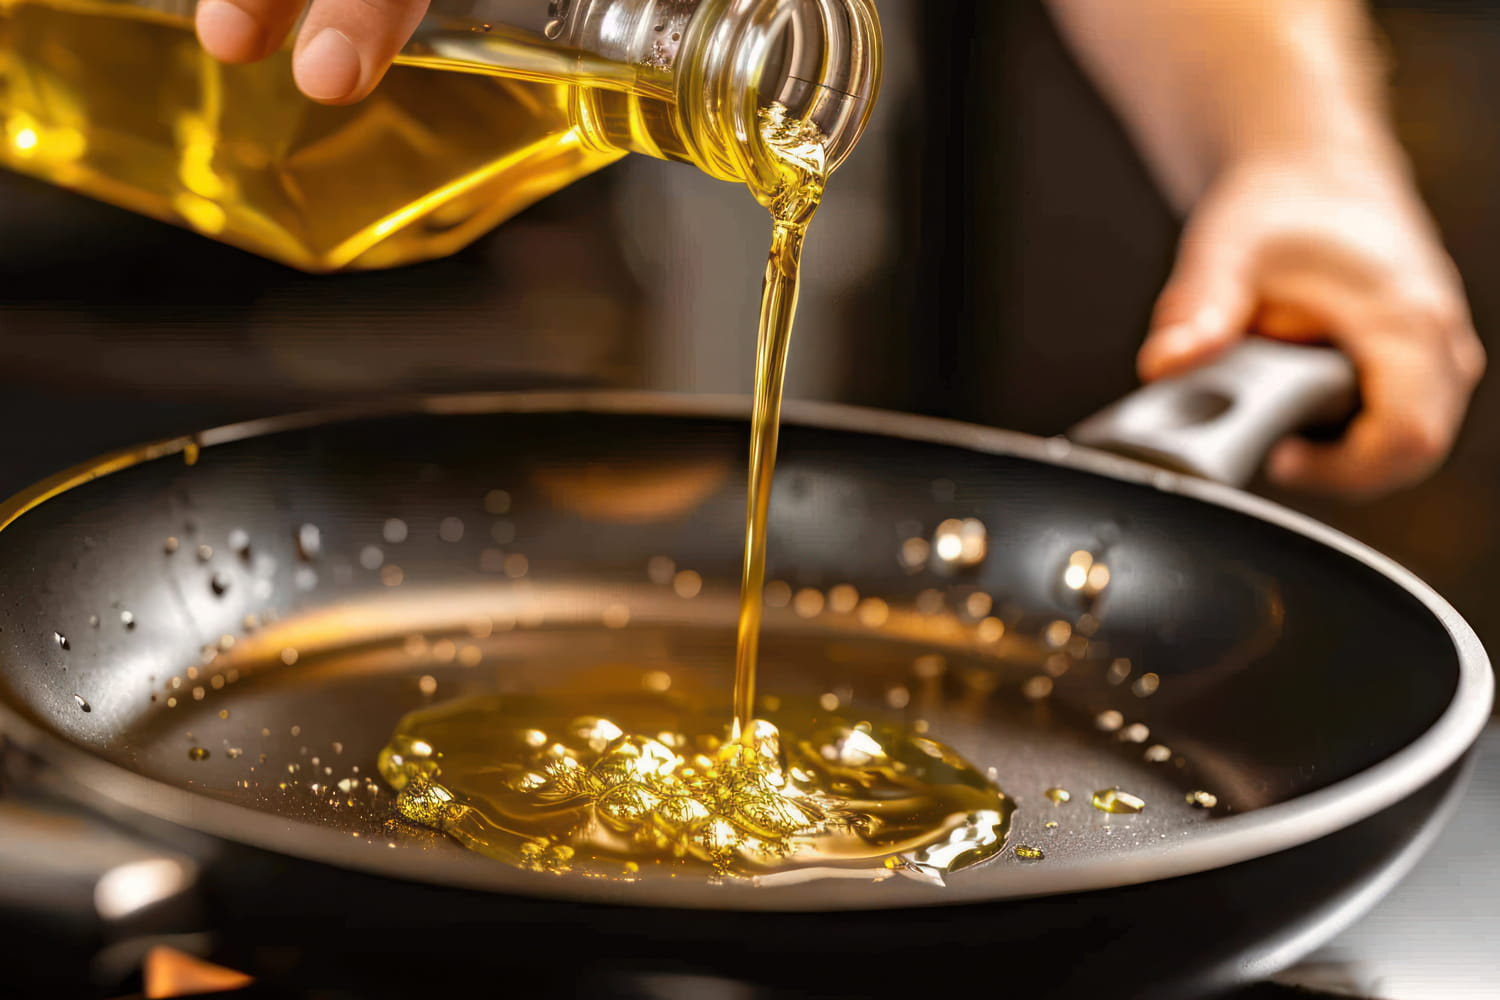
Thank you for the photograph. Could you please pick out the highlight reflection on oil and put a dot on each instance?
(567, 784)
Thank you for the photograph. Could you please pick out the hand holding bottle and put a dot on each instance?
(343, 47)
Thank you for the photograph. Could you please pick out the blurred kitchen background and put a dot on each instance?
(991, 253)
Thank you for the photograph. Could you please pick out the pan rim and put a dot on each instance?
(1235, 839)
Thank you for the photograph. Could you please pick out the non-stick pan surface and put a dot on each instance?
(1302, 679)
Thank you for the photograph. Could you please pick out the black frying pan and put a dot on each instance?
(1325, 696)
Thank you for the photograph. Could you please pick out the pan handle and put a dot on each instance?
(1220, 421)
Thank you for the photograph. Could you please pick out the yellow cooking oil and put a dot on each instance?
(594, 784)
(604, 785)
(120, 102)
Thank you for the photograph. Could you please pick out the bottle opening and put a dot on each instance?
(819, 59)
(823, 65)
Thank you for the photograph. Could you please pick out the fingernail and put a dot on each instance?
(228, 32)
(1166, 345)
(327, 68)
(1209, 322)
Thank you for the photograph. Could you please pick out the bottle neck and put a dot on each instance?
(818, 59)
(719, 64)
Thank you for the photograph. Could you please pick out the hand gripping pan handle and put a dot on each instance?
(1220, 421)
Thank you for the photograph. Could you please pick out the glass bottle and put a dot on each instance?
(493, 105)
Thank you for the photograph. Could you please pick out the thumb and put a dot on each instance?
(1207, 305)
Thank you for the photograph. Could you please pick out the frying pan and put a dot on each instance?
(279, 593)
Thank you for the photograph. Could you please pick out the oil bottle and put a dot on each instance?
(491, 106)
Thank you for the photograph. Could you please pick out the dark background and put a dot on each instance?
(1034, 248)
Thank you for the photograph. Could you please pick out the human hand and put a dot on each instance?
(1322, 251)
(343, 48)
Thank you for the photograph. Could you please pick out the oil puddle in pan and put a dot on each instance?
(560, 784)
(293, 716)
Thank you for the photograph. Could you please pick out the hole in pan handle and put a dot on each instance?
(1219, 421)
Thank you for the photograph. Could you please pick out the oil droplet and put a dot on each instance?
(778, 594)
(1038, 687)
(1051, 824)
(517, 565)
(687, 583)
(1202, 800)
(1158, 754)
(657, 680)
(929, 667)
(1057, 796)
(370, 557)
(190, 453)
(391, 575)
(1058, 634)
(898, 697)
(929, 601)
(170, 545)
(61, 640)
(1108, 721)
(660, 570)
(808, 603)
(127, 619)
(205, 553)
(1136, 732)
(497, 502)
(913, 554)
(843, 598)
(1028, 853)
(978, 604)
(309, 541)
(451, 529)
(394, 531)
(614, 616)
(1146, 685)
(1118, 670)
(81, 703)
(960, 544)
(239, 542)
(234, 753)
(873, 612)
(93, 621)
(219, 584)
(990, 630)
(223, 713)
(444, 651)
(427, 684)
(1113, 800)
(198, 753)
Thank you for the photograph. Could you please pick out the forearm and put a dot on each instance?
(1204, 84)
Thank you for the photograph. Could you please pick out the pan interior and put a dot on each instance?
(251, 627)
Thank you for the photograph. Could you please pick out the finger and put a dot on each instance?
(239, 31)
(1289, 322)
(1413, 404)
(1468, 352)
(1206, 306)
(345, 46)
